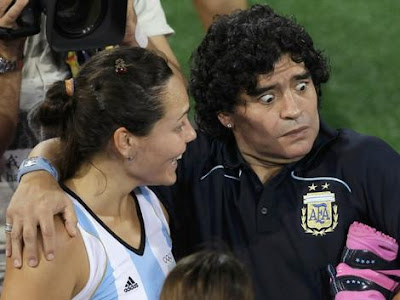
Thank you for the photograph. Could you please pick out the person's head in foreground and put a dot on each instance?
(208, 275)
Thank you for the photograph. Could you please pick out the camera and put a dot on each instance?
(72, 24)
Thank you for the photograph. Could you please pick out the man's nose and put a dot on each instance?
(290, 106)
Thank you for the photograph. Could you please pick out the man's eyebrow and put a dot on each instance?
(305, 75)
(260, 90)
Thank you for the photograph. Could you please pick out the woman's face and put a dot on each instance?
(155, 161)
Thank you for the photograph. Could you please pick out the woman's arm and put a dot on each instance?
(60, 279)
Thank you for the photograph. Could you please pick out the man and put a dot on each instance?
(265, 176)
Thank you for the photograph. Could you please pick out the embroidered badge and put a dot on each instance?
(319, 214)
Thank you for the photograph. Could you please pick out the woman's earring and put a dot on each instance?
(229, 125)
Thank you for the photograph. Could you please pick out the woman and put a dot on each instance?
(123, 125)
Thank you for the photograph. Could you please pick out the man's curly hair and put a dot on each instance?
(236, 50)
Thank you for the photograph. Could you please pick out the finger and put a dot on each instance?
(30, 243)
(13, 13)
(47, 229)
(4, 4)
(70, 219)
(16, 244)
(8, 238)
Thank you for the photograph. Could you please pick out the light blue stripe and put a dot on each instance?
(84, 220)
(150, 272)
(107, 288)
(321, 178)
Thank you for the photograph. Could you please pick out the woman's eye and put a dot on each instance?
(266, 99)
(301, 86)
(180, 127)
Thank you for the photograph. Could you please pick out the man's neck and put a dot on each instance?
(266, 168)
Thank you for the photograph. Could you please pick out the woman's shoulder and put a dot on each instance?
(59, 278)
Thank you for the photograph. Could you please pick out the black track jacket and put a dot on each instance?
(288, 230)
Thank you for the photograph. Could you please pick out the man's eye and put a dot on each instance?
(301, 86)
(266, 99)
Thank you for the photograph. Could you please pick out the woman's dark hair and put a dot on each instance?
(103, 100)
(208, 274)
(236, 50)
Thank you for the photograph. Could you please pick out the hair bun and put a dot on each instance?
(56, 107)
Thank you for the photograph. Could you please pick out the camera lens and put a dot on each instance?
(77, 18)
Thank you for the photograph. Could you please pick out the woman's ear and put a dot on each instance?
(125, 143)
(226, 119)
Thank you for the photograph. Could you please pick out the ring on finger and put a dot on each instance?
(8, 228)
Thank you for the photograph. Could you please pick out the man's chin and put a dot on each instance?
(298, 153)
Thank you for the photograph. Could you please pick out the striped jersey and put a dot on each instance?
(117, 270)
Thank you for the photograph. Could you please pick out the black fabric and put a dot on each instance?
(285, 242)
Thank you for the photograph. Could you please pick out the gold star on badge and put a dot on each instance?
(325, 186)
(312, 187)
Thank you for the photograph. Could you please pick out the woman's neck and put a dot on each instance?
(103, 186)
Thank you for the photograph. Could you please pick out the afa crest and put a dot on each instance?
(319, 214)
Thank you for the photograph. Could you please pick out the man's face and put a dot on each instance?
(279, 123)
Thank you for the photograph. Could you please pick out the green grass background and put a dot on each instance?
(362, 40)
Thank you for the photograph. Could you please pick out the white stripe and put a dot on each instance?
(212, 170)
(155, 202)
(227, 176)
(97, 264)
(121, 262)
(154, 232)
(232, 177)
(321, 178)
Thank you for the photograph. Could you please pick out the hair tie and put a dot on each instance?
(69, 87)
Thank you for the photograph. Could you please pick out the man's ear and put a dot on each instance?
(125, 143)
(225, 119)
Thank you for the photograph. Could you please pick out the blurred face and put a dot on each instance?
(156, 156)
(279, 122)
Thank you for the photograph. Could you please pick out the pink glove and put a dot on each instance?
(368, 269)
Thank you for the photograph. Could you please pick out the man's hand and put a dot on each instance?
(11, 49)
(34, 204)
